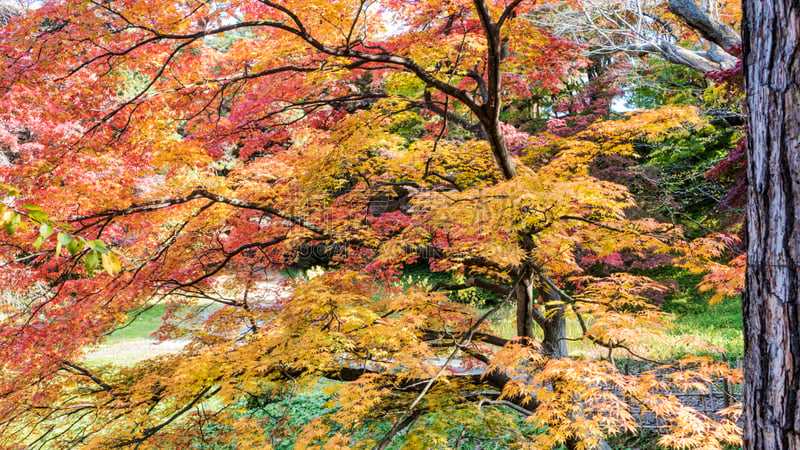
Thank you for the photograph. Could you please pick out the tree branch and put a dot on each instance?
(71, 367)
(474, 282)
(148, 432)
(203, 193)
(708, 27)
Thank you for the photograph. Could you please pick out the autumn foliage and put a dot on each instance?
(183, 152)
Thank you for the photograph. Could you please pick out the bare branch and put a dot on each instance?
(474, 282)
(72, 367)
(147, 433)
(709, 27)
(200, 194)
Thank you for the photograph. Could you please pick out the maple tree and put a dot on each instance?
(192, 148)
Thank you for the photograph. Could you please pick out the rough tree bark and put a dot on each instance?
(771, 35)
(552, 321)
(554, 342)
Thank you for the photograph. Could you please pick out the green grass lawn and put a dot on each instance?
(146, 321)
(142, 324)
(133, 342)
(719, 325)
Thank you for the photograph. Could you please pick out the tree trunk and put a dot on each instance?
(525, 309)
(771, 32)
(554, 342)
(498, 144)
(552, 321)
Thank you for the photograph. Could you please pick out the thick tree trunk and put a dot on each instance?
(554, 342)
(772, 295)
(552, 321)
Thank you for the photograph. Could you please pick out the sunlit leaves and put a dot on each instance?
(11, 220)
(213, 165)
(12, 223)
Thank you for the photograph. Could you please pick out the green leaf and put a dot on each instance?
(38, 242)
(39, 216)
(61, 240)
(46, 230)
(98, 246)
(91, 260)
(12, 191)
(75, 246)
(30, 207)
(64, 238)
(12, 225)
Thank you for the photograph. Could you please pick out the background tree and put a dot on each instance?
(702, 37)
(771, 296)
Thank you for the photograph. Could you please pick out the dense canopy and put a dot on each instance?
(191, 153)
